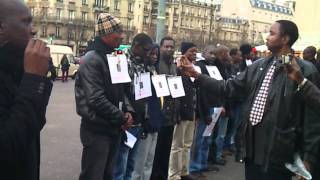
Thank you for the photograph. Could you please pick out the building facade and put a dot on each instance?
(260, 15)
(231, 22)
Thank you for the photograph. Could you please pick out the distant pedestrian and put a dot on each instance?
(64, 63)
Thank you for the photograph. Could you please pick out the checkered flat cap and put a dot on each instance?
(107, 24)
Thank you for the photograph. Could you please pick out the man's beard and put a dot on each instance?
(168, 58)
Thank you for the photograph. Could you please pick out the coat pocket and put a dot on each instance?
(284, 145)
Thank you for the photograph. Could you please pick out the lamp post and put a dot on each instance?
(161, 18)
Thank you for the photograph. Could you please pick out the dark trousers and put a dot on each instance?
(65, 74)
(254, 172)
(162, 154)
(98, 155)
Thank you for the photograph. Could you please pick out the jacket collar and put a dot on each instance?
(98, 45)
(11, 62)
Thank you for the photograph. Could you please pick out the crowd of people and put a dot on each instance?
(263, 111)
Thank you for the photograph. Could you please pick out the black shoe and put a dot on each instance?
(238, 158)
(198, 174)
(221, 162)
(189, 177)
(211, 168)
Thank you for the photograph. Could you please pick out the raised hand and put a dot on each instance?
(36, 58)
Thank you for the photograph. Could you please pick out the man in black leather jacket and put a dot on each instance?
(24, 92)
(102, 105)
(288, 125)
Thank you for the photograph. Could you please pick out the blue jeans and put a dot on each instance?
(200, 148)
(222, 130)
(146, 151)
(234, 123)
(127, 157)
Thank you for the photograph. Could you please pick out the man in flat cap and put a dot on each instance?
(102, 105)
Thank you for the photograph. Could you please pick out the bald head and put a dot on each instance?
(222, 53)
(11, 7)
(309, 53)
(16, 27)
(208, 52)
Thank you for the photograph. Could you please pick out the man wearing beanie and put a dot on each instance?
(102, 105)
(184, 129)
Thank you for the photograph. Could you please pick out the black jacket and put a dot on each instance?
(204, 97)
(288, 124)
(23, 102)
(189, 101)
(170, 105)
(137, 65)
(97, 99)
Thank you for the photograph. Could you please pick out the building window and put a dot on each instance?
(71, 15)
(44, 31)
(145, 8)
(58, 13)
(84, 2)
(84, 16)
(99, 3)
(32, 11)
(130, 7)
(44, 12)
(145, 20)
(57, 32)
(130, 23)
(116, 5)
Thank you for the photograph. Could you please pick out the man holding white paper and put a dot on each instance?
(137, 91)
(102, 105)
(201, 143)
(170, 108)
(183, 130)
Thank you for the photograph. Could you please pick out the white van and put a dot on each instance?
(57, 52)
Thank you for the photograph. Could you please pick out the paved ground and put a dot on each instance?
(61, 147)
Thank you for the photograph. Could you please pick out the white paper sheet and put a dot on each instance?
(176, 86)
(248, 62)
(198, 69)
(118, 67)
(215, 116)
(214, 72)
(131, 140)
(142, 85)
(160, 84)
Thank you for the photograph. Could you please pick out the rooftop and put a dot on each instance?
(271, 7)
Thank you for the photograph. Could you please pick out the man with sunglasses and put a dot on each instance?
(138, 63)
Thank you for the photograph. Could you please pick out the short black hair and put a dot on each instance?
(233, 51)
(312, 50)
(167, 38)
(141, 39)
(290, 29)
(245, 49)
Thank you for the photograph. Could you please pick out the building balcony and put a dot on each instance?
(59, 5)
(64, 21)
(97, 8)
(44, 3)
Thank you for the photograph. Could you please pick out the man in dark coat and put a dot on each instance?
(103, 107)
(276, 121)
(24, 92)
